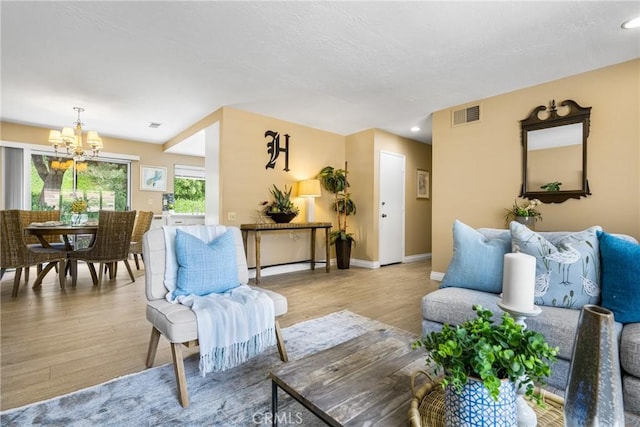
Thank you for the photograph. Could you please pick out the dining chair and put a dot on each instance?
(14, 253)
(55, 240)
(142, 225)
(110, 246)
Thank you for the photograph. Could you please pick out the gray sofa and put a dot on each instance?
(453, 305)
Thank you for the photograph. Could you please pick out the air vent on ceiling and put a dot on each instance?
(154, 125)
(466, 115)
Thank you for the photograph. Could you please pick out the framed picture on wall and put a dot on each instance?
(422, 188)
(153, 178)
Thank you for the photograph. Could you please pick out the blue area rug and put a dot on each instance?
(238, 397)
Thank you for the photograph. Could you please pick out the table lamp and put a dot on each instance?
(309, 189)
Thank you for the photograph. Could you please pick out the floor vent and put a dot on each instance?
(466, 115)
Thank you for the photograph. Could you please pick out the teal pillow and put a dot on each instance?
(205, 268)
(620, 277)
(477, 262)
(567, 271)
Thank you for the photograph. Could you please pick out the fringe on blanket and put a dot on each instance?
(223, 358)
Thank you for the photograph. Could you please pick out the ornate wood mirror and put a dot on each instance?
(554, 152)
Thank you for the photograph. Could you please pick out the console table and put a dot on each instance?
(313, 226)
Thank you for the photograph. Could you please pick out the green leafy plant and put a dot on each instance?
(526, 210)
(491, 352)
(552, 186)
(335, 181)
(281, 202)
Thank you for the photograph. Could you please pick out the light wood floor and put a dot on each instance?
(55, 342)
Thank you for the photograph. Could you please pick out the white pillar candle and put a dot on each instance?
(518, 281)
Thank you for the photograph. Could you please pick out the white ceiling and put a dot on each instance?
(338, 66)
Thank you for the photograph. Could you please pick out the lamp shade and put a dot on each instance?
(55, 137)
(68, 136)
(309, 188)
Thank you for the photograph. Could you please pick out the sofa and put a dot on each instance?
(474, 276)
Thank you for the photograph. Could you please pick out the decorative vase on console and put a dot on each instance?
(594, 389)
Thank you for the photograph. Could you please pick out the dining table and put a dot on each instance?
(42, 230)
(65, 230)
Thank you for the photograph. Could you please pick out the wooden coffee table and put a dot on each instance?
(364, 381)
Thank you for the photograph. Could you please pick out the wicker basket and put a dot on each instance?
(427, 405)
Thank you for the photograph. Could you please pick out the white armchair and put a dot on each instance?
(177, 322)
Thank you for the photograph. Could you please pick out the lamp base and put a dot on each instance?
(310, 214)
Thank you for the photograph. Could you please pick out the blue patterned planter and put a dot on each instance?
(475, 408)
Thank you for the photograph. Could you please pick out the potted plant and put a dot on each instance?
(495, 356)
(281, 209)
(526, 214)
(335, 181)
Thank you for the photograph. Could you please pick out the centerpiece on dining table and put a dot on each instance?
(78, 208)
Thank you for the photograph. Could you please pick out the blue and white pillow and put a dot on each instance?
(567, 271)
(205, 268)
(477, 261)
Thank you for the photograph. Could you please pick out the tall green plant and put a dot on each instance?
(335, 181)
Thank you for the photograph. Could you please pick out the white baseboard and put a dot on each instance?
(436, 275)
(287, 268)
(290, 268)
(418, 257)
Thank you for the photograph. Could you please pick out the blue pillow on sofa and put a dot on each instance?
(567, 270)
(205, 268)
(477, 262)
(620, 277)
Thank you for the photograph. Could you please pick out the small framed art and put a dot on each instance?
(422, 188)
(153, 178)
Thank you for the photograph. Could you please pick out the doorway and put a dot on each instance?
(391, 221)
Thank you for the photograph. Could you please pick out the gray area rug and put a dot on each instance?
(238, 397)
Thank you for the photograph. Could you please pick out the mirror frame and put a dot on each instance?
(576, 114)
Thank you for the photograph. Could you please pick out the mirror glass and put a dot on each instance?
(554, 153)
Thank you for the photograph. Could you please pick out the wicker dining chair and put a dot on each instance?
(111, 245)
(14, 253)
(55, 240)
(142, 225)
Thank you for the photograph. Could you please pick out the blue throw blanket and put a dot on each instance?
(232, 327)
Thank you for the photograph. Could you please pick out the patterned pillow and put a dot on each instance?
(477, 261)
(205, 268)
(567, 271)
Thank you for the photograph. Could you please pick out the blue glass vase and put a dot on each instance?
(594, 389)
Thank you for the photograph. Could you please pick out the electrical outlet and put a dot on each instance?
(231, 216)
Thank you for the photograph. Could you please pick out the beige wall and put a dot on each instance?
(150, 154)
(477, 167)
(363, 154)
(245, 182)
(417, 211)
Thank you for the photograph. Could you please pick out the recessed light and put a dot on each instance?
(631, 23)
(415, 129)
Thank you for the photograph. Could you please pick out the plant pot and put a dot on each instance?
(475, 407)
(343, 253)
(529, 221)
(282, 218)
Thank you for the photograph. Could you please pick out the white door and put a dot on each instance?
(391, 221)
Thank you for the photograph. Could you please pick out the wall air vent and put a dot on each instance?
(466, 115)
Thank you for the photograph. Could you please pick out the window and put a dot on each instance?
(57, 181)
(189, 189)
